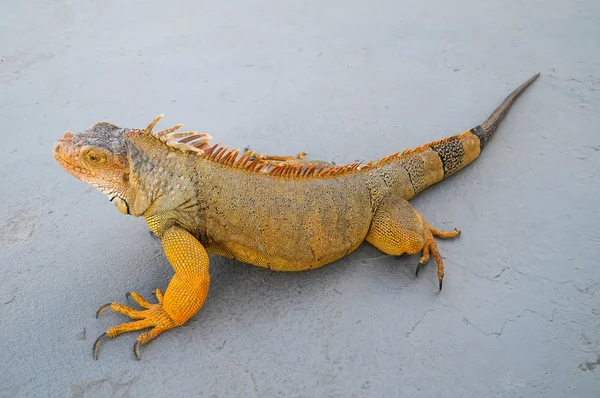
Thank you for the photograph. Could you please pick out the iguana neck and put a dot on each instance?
(161, 177)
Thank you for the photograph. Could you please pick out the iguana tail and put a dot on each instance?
(488, 128)
(438, 160)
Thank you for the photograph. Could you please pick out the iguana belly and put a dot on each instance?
(289, 243)
(261, 258)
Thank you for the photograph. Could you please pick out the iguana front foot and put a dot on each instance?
(183, 298)
(153, 316)
(398, 229)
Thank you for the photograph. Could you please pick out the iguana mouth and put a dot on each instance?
(68, 158)
(67, 162)
(72, 166)
(67, 155)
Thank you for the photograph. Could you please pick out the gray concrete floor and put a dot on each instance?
(343, 80)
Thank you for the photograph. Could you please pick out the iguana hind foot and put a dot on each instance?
(299, 159)
(299, 156)
(398, 229)
(431, 246)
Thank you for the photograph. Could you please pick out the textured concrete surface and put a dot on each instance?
(520, 311)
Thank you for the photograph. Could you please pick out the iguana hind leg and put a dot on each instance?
(183, 298)
(300, 156)
(398, 229)
(298, 159)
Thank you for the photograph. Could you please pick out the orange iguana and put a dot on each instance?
(274, 212)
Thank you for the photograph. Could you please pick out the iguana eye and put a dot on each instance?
(95, 157)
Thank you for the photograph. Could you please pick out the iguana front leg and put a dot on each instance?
(183, 298)
(398, 229)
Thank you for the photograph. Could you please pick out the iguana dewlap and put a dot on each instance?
(275, 212)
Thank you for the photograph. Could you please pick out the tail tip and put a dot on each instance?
(530, 80)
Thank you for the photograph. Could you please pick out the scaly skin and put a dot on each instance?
(272, 211)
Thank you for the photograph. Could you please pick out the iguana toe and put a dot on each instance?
(139, 299)
(424, 259)
(159, 295)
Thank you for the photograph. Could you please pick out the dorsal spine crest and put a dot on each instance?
(192, 141)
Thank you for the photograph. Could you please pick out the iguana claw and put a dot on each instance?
(419, 265)
(136, 350)
(97, 345)
(101, 309)
(424, 260)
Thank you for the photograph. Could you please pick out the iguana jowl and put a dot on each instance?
(272, 212)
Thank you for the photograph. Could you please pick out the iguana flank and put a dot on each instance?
(276, 212)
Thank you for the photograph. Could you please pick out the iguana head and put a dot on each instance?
(98, 156)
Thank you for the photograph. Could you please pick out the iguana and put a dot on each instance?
(274, 212)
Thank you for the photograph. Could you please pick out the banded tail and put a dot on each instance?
(435, 161)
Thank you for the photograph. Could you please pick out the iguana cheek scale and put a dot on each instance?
(277, 212)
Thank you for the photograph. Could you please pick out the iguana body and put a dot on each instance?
(270, 211)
